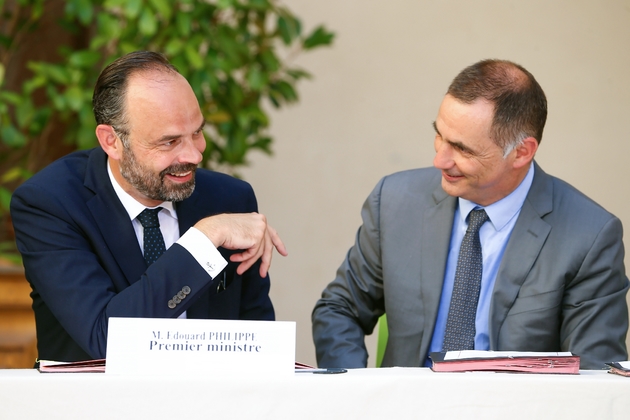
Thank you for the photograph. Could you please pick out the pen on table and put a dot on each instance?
(322, 370)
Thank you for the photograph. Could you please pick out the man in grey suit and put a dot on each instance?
(553, 276)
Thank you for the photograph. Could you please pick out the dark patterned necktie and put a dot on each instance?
(460, 325)
(153, 239)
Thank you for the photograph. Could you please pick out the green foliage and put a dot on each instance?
(229, 50)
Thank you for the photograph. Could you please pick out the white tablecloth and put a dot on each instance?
(402, 393)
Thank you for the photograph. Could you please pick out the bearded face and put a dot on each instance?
(157, 186)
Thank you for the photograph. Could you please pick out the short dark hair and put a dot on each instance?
(108, 100)
(520, 105)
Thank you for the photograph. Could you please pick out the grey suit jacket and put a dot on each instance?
(561, 285)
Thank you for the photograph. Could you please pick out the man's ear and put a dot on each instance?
(525, 152)
(109, 141)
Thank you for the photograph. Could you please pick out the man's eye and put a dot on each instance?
(169, 143)
(461, 149)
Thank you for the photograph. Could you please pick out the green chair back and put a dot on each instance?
(381, 343)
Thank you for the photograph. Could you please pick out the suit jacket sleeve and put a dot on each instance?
(85, 266)
(562, 284)
(594, 309)
(351, 305)
(66, 270)
(573, 297)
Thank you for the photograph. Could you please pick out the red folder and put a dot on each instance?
(525, 362)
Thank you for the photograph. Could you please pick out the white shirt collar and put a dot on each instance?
(131, 205)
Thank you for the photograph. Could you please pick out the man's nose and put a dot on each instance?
(443, 156)
(192, 151)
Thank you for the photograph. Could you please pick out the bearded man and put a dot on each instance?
(133, 228)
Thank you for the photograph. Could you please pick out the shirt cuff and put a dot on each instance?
(203, 250)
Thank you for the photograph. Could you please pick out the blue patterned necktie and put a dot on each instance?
(460, 325)
(153, 239)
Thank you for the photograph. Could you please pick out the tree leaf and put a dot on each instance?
(108, 27)
(259, 4)
(24, 112)
(163, 8)
(174, 47)
(37, 10)
(218, 117)
(193, 56)
(147, 24)
(5, 199)
(16, 173)
(35, 83)
(256, 78)
(81, 9)
(269, 61)
(183, 23)
(56, 72)
(297, 74)
(41, 118)
(286, 90)
(114, 4)
(132, 8)
(256, 114)
(11, 97)
(12, 137)
(85, 11)
(264, 144)
(224, 4)
(320, 36)
(84, 58)
(284, 30)
(74, 98)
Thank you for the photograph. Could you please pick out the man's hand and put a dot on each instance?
(249, 232)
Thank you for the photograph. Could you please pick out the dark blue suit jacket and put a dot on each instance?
(83, 261)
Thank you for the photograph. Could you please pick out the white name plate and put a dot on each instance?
(158, 346)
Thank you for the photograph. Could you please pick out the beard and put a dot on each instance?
(155, 186)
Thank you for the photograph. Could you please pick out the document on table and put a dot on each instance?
(98, 366)
(86, 366)
(505, 361)
(620, 368)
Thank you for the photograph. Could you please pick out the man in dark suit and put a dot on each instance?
(552, 276)
(77, 222)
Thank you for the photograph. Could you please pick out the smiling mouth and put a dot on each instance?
(450, 177)
(180, 175)
(179, 172)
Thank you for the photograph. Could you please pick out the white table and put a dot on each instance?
(401, 393)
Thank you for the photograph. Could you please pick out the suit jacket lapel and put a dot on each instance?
(526, 241)
(437, 225)
(112, 219)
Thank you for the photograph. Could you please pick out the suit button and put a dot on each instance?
(181, 295)
(186, 290)
(171, 304)
(176, 300)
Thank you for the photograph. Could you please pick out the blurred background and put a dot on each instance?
(375, 91)
(368, 112)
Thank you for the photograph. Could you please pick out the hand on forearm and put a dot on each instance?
(249, 232)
